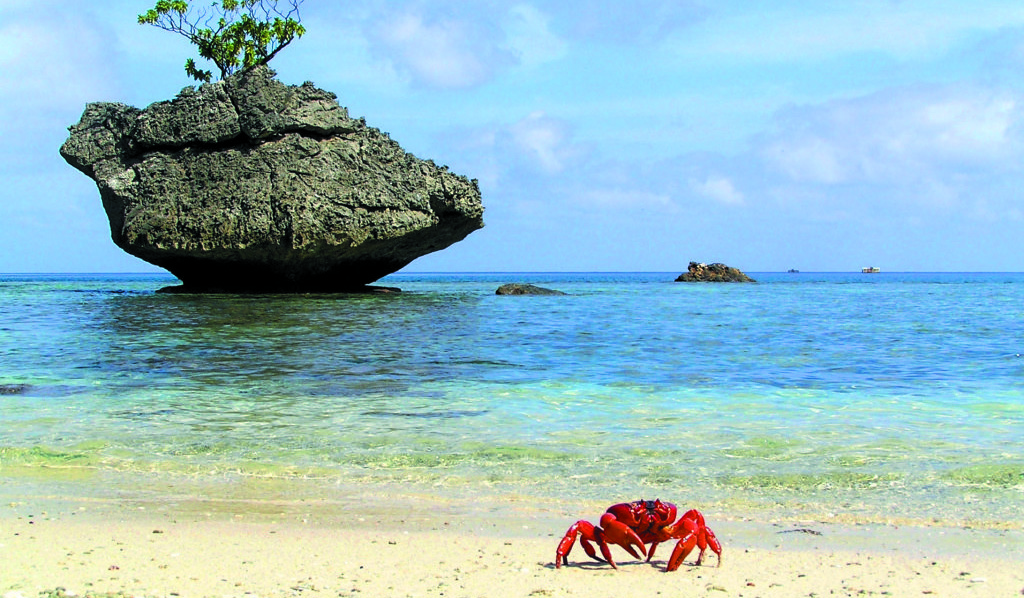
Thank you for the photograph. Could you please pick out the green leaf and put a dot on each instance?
(240, 39)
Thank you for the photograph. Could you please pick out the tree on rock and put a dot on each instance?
(232, 34)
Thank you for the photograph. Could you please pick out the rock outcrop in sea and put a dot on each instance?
(248, 184)
(698, 272)
(515, 288)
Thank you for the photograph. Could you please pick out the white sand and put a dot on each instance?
(186, 555)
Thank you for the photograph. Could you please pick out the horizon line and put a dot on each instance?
(853, 271)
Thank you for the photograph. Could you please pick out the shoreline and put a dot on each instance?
(409, 545)
(227, 490)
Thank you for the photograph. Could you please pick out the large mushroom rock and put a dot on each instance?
(698, 272)
(248, 184)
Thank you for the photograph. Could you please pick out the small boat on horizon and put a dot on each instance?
(870, 270)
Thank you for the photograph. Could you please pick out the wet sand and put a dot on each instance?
(418, 549)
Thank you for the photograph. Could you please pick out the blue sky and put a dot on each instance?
(622, 137)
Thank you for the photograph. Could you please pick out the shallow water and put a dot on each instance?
(847, 396)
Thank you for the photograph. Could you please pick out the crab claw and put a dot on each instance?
(616, 532)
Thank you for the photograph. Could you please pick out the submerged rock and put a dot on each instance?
(525, 289)
(248, 184)
(698, 272)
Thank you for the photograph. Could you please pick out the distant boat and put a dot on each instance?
(870, 270)
(793, 271)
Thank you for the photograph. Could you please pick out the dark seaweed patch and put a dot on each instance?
(138, 415)
(990, 476)
(810, 482)
(454, 414)
(802, 530)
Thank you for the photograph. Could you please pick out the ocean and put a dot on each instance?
(835, 396)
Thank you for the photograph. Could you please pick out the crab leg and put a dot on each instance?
(587, 533)
(700, 538)
(683, 548)
(716, 546)
(650, 551)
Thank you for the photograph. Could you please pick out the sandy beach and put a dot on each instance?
(249, 550)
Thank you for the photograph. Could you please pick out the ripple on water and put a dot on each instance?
(815, 394)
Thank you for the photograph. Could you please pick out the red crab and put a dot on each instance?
(638, 523)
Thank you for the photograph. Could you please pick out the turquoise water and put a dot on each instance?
(848, 396)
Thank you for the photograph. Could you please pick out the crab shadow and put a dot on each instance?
(659, 565)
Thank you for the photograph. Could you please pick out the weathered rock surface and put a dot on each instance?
(525, 289)
(249, 184)
(698, 272)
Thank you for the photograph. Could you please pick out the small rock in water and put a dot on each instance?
(699, 272)
(525, 289)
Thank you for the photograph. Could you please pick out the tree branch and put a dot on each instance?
(234, 34)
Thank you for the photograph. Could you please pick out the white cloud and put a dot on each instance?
(444, 53)
(628, 22)
(51, 63)
(545, 141)
(50, 67)
(537, 151)
(905, 30)
(10, 6)
(718, 188)
(898, 136)
(974, 128)
(808, 158)
(626, 199)
(530, 36)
